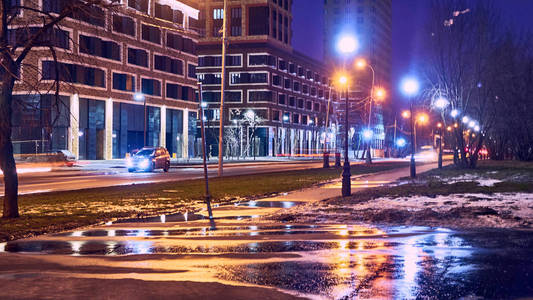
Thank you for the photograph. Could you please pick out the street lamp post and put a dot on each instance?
(346, 174)
(141, 97)
(441, 103)
(361, 64)
(410, 87)
(204, 154)
(326, 127)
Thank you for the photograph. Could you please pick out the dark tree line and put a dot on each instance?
(485, 71)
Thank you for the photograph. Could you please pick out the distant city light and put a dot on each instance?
(138, 97)
(203, 104)
(380, 93)
(406, 114)
(477, 128)
(472, 124)
(360, 63)
(466, 119)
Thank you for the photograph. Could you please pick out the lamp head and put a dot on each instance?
(347, 44)
(410, 86)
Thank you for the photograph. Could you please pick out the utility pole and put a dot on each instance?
(222, 86)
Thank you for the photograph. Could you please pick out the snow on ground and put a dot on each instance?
(482, 181)
(498, 210)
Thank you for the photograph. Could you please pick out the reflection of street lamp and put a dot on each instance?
(250, 114)
(140, 97)
(410, 87)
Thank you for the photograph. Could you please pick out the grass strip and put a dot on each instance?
(58, 211)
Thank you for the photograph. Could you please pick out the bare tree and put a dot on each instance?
(33, 30)
(462, 37)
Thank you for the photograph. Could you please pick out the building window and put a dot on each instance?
(275, 115)
(167, 64)
(218, 21)
(313, 91)
(92, 15)
(123, 24)
(295, 118)
(73, 73)
(261, 60)
(316, 107)
(214, 96)
(191, 71)
(124, 82)
(151, 34)
(308, 105)
(276, 80)
(296, 86)
(95, 46)
(287, 83)
(138, 57)
(259, 20)
(304, 120)
(305, 89)
(300, 103)
(281, 99)
(274, 31)
(210, 78)
(292, 102)
(282, 65)
(244, 78)
(259, 96)
(173, 91)
(52, 37)
(165, 12)
(140, 5)
(292, 68)
(151, 87)
(301, 71)
(216, 61)
(236, 21)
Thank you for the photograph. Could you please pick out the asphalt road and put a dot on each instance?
(240, 255)
(80, 179)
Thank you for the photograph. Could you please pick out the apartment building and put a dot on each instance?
(370, 21)
(127, 79)
(265, 78)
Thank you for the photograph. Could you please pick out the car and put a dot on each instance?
(149, 159)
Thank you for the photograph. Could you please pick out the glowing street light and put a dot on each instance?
(401, 142)
(472, 124)
(360, 63)
(140, 97)
(441, 103)
(406, 114)
(410, 86)
(454, 113)
(477, 128)
(367, 134)
(466, 119)
(347, 45)
(380, 93)
(422, 118)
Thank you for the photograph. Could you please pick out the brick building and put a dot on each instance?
(266, 79)
(109, 60)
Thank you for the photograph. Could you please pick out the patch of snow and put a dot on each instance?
(482, 181)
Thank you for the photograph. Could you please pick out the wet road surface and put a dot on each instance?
(78, 179)
(239, 249)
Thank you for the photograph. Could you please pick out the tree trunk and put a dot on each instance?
(7, 161)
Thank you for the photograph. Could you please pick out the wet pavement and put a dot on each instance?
(275, 260)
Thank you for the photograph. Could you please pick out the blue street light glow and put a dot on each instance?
(454, 113)
(347, 44)
(400, 142)
(410, 86)
(203, 104)
(441, 103)
(285, 118)
(367, 134)
(138, 97)
(466, 119)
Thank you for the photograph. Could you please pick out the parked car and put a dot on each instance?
(149, 159)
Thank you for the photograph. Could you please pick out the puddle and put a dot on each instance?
(266, 204)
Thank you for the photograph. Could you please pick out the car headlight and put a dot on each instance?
(144, 163)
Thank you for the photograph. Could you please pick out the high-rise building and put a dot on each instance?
(127, 79)
(276, 99)
(370, 22)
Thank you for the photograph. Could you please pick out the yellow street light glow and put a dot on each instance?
(449, 128)
(380, 93)
(439, 125)
(422, 118)
(360, 63)
(406, 114)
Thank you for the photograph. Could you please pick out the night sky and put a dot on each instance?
(408, 18)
